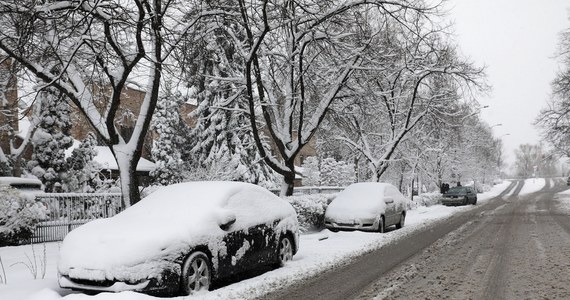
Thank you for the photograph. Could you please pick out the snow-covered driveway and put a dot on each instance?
(318, 252)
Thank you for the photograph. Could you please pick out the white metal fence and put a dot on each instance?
(67, 211)
(307, 190)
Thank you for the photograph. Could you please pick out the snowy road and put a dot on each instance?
(516, 246)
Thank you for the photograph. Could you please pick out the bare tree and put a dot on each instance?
(420, 78)
(298, 57)
(554, 120)
(534, 161)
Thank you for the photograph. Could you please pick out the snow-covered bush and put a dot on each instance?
(18, 216)
(425, 199)
(482, 188)
(310, 210)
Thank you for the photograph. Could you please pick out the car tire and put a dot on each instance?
(196, 273)
(381, 225)
(474, 201)
(402, 221)
(465, 200)
(284, 251)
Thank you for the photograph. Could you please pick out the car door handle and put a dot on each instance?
(389, 201)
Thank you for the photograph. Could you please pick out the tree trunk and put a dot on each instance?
(288, 181)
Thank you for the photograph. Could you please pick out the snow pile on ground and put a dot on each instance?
(532, 185)
(318, 252)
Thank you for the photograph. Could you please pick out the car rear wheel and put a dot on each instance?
(196, 273)
(402, 221)
(284, 251)
(381, 225)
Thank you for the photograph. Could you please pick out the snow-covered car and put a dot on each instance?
(29, 187)
(179, 239)
(367, 206)
(460, 195)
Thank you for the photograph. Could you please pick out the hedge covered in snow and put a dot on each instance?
(426, 199)
(310, 210)
(18, 216)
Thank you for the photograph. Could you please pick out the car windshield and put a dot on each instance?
(457, 190)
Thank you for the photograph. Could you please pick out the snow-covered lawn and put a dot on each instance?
(318, 252)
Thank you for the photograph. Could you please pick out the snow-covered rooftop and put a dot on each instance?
(107, 161)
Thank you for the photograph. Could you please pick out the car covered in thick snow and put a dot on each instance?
(179, 239)
(367, 206)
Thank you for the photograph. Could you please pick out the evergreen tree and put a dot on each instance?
(83, 170)
(311, 173)
(330, 172)
(167, 148)
(347, 173)
(224, 148)
(51, 139)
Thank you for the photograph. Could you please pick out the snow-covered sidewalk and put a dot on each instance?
(318, 252)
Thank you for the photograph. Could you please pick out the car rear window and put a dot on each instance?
(457, 189)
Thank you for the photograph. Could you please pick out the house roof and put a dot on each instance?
(107, 161)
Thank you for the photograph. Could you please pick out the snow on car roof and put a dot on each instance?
(358, 199)
(362, 191)
(19, 180)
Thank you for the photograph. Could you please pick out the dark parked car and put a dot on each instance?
(460, 195)
(180, 238)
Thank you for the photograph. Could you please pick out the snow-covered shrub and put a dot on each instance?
(482, 188)
(310, 210)
(18, 216)
(425, 199)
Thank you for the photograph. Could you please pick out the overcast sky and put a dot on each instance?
(517, 40)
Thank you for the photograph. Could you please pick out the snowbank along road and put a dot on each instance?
(512, 247)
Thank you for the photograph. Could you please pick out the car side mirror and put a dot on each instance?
(226, 219)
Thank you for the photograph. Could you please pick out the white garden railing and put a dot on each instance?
(67, 211)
